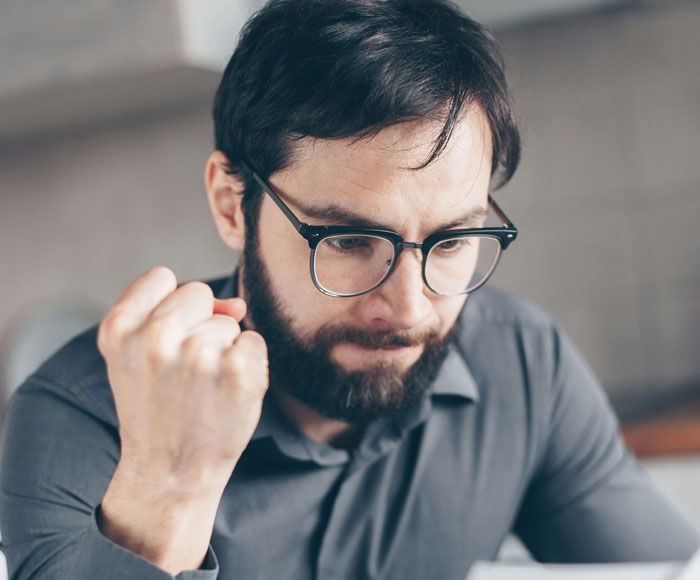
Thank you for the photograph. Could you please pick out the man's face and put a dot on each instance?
(371, 355)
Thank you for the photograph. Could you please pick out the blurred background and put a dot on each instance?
(105, 128)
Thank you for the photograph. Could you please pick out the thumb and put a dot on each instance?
(235, 307)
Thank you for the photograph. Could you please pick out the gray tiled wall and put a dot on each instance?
(608, 195)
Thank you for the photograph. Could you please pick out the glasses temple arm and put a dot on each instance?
(276, 198)
(499, 212)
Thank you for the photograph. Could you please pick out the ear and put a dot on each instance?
(225, 193)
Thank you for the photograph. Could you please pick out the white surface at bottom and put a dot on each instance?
(678, 479)
(532, 571)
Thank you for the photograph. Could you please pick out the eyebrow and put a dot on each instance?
(344, 216)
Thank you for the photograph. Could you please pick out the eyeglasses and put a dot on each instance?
(350, 261)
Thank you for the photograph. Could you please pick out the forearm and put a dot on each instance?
(622, 519)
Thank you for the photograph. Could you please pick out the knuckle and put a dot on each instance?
(201, 290)
(192, 345)
(112, 329)
(199, 351)
(200, 356)
(255, 342)
(226, 322)
(236, 363)
(156, 340)
(246, 371)
(157, 329)
(207, 360)
(157, 356)
(164, 275)
(102, 341)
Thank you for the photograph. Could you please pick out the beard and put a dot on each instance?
(304, 368)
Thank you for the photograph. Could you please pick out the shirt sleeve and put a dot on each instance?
(589, 500)
(57, 462)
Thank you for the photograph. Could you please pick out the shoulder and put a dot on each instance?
(74, 375)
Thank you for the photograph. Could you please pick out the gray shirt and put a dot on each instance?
(514, 435)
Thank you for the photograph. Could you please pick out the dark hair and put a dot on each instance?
(334, 69)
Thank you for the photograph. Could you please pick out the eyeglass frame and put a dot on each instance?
(314, 235)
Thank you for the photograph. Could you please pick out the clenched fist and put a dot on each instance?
(188, 388)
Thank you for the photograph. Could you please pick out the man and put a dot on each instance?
(409, 424)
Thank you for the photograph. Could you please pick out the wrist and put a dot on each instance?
(163, 518)
(179, 483)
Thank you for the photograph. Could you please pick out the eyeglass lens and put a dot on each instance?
(459, 265)
(353, 264)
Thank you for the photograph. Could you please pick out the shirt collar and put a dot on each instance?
(454, 377)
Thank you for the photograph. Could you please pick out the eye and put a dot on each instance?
(452, 246)
(348, 244)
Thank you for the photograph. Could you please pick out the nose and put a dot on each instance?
(401, 302)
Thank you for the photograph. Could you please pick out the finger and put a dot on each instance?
(248, 350)
(247, 359)
(139, 299)
(252, 345)
(235, 307)
(201, 351)
(219, 330)
(184, 308)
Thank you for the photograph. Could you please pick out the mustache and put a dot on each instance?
(330, 336)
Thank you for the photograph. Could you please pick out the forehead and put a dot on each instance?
(376, 177)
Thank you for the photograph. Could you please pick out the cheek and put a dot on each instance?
(286, 256)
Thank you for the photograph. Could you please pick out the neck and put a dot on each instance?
(315, 426)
